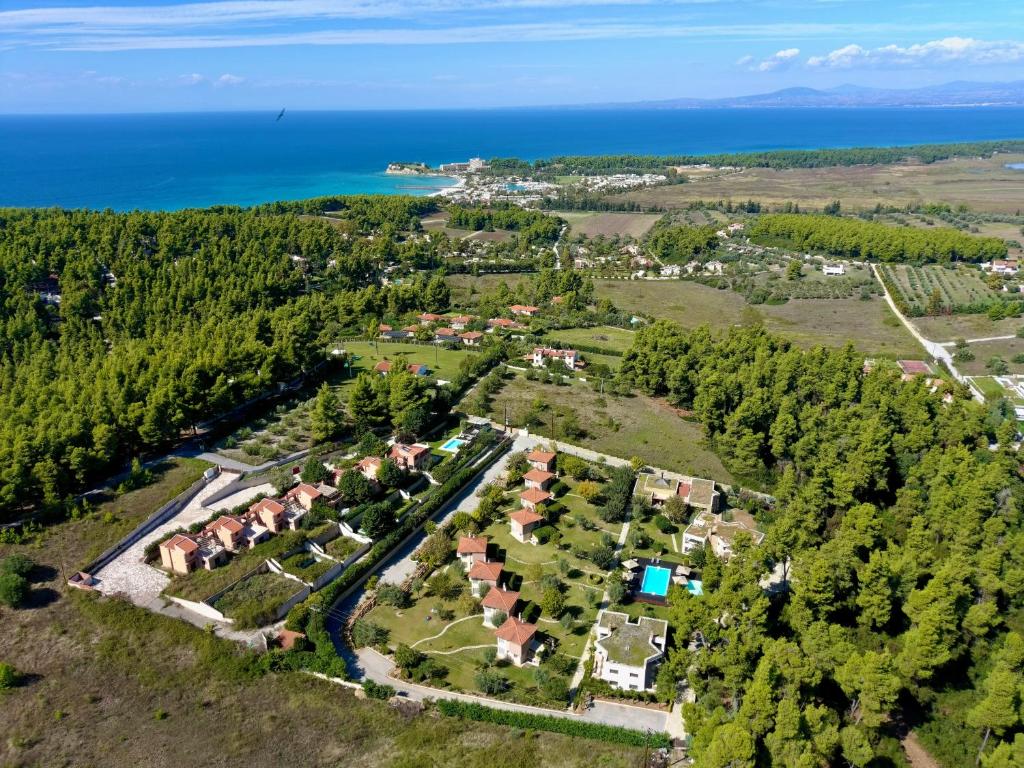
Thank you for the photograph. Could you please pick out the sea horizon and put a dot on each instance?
(175, 160)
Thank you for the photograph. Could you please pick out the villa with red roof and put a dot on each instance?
(417, 369)
(533, 498)
(426, 318)
(369, 466)
(569, 357)
(504, 322)
(270, 513)
(543, 460)
(471, 338)
(516, 641)
(183, 553)
(538, 479)
(523, 523)
(524, 309)
(410, 457)
(498, 603)
(236, 534)
(484, 574)
(471, 549)
(459, 322)
(912, 368)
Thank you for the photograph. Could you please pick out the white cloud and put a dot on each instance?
(779, 60)
(963, 50)
(227, 79)
(552, 31)
(192, 79)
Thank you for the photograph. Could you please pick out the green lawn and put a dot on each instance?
(201, 584)
(618, 426)
(443, 363)
(256, 600)
(604, 336)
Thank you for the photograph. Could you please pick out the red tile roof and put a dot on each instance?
(914, 366)
(683, 489)
(181, 542)
(544, 456)
(470, 335)
(538, 476)
(484, 571)
(525, 517)
(399, 449)
(471, 545)
(307, 489)
(534, 496)
(500, 599)
(231, 524)
(273, 506)
(515, 631)
(383, 366)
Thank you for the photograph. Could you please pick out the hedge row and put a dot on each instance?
(563, 725)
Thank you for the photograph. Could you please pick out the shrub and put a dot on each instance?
(8, 676)
(547, 533)
(13, 589)
(17, 564)
(378, 690)
(559, 489)
(589, 490)
(390, 594)
(664, 525)
(603, 558)
(490, 682)
(530, 721)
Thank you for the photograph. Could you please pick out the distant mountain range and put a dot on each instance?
(960, 94)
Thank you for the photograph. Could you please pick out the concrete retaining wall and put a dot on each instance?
(201, 608)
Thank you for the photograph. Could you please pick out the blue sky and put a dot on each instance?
(358, 54)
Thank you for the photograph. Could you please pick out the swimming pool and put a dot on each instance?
(452, 445)
(695, 588)
(656, 580)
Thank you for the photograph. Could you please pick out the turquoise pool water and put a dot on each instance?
(453, 445)
(695, 588)
(655, 580)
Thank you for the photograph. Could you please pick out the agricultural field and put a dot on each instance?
(606, 224)
(438, 222)
(619, 426)
(869, 325)
(958, 288)
(285, 428)
(981, 184)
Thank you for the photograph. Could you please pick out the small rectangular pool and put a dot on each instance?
(695, 588)
(656, 580)
(453, 444)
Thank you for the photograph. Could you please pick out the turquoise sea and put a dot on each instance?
(176, 161)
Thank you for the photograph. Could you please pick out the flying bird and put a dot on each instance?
(280, 114)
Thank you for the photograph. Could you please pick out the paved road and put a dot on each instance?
(465, 501)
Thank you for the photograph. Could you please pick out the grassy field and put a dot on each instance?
(465, 288)
(957, 287)
(108, 684)
(438, 222)
(982, 184)
(606, 337)
(953, 327)
(870, 325)
(986, 350)
(626, 426)
(593, 224)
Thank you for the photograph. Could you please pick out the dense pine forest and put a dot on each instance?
(778, 159)
(166, 319)
(898, 534)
